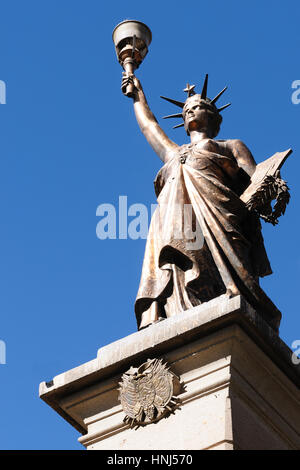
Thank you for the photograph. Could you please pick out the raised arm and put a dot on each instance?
(159, 141)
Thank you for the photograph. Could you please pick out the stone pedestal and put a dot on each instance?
(240, 389)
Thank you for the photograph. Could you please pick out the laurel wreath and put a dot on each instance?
(272, 188)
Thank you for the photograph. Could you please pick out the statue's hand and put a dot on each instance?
(130, 85)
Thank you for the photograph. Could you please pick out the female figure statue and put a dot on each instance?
(198, 191)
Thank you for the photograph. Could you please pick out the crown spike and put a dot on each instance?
(179, 115)
(224, 107)
(204, 89)
(179, 125)
(177, 103)
(218, 95)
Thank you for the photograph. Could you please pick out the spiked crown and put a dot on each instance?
(201, 97)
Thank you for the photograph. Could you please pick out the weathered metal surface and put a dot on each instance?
(227, 194)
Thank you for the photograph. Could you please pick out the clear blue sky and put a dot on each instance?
(69, 142)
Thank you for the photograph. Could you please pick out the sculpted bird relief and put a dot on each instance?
(146, 392)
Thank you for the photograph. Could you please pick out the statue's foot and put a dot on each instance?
(232, 292)
(152, 323)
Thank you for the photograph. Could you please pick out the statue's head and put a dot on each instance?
(198, 111)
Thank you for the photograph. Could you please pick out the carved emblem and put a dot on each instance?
(146, 392)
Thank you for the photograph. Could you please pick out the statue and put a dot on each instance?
(227, 194)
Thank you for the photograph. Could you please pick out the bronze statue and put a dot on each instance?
(227, 192)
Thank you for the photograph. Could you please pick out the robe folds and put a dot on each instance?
(202, 242)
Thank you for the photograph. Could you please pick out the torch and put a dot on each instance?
(131, 39)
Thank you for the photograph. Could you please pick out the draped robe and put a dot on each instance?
(202, 242)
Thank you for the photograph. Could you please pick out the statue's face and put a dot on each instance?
(197, 113)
